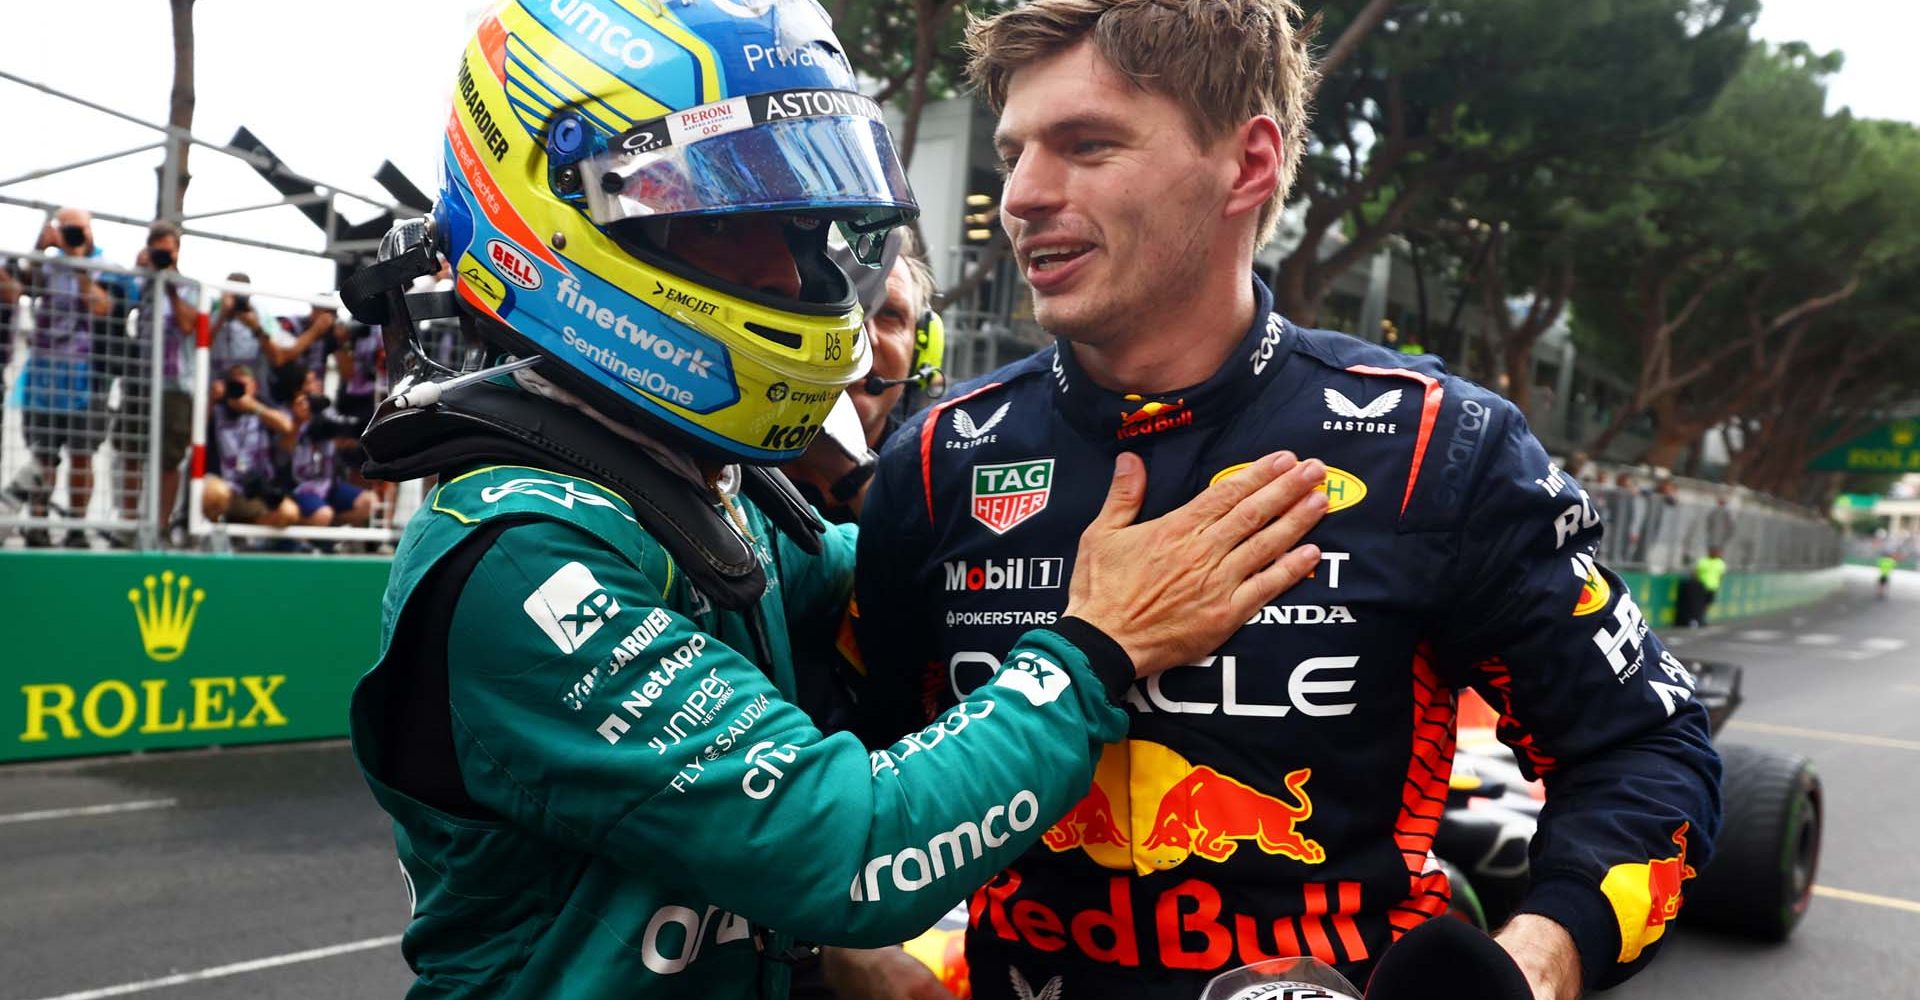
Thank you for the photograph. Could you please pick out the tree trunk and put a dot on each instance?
(180, 105)
(1357, 31)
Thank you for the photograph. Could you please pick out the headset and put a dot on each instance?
(929, 350)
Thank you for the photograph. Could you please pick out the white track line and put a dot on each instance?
(231, 970)
(1868, 898)
(1823, 734)
(114, 807)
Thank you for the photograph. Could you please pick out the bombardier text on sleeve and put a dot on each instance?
(1281, 796)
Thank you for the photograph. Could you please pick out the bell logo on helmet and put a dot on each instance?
(513, 265)
(592, 24)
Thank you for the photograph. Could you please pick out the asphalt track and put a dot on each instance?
(269, 873)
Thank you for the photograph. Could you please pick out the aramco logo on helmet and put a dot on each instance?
(592, 24)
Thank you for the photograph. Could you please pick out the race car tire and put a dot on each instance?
(1761, 877)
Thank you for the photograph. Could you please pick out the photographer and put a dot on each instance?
(240, 338)
(310, 443)
(58, 394)
(292, 357)
(245, 491)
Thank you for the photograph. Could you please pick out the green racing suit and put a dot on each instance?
(600, 786)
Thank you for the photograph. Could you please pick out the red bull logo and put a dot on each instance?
(1646, 896)
(1192, 925)
(1152, 417)
(1150, 809)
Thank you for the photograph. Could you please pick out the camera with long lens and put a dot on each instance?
(326, 422)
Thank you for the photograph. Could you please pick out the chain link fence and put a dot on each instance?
(142, 409)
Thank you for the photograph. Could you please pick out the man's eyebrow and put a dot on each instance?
(1086, 121)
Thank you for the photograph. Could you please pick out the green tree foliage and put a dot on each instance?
(1760, 268)
(1449, 93)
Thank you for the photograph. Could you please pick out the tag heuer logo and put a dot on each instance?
(571, 606)
(1005, 495)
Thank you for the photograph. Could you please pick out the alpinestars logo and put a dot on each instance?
(1364, 419)
(563, 492)
(974, 435)
(571, 606)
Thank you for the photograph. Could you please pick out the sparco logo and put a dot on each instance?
(1037, 573)
(916, 868)
(1462, 444)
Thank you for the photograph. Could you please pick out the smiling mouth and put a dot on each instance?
(1048, 258)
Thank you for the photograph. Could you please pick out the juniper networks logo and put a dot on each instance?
(166, 614)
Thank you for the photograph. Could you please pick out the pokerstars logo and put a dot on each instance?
(1008, 493)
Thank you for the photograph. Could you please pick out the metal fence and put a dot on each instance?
(1662, 524)
(142, 409)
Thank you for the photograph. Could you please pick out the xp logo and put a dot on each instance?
(777, 392)
(571, 606)
(1041, 680)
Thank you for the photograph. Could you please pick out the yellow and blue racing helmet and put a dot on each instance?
(582, 128)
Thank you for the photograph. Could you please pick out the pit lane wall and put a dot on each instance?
(108, 653)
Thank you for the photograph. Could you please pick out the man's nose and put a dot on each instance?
(760, 259)
(1035, 187)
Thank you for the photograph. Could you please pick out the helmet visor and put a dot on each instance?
(814, 152)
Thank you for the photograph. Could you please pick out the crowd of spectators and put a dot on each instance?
(280, 450)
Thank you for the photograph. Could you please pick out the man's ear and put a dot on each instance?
(1259, 153)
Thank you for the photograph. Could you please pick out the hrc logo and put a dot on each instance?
(166, 622)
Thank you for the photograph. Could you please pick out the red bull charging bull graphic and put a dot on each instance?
(1150, 809)
(1646, 896)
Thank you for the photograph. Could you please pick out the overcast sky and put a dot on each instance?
(355, 82)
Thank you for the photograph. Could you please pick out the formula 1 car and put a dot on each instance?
(1761, 877)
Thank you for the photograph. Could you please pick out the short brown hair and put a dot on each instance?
(161, 230)
(1224, 61)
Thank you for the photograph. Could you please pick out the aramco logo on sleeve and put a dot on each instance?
(166, 618)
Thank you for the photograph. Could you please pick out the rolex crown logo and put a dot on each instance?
(166, 621)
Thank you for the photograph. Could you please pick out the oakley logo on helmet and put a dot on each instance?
(615, 40)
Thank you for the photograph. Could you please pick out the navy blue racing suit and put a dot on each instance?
(1281, 796)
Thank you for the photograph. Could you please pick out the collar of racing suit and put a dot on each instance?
(1104, 415)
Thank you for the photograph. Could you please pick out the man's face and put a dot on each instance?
(170, 244)
(747, 250)
(72, 222)
(1109, 201)
(890, 327)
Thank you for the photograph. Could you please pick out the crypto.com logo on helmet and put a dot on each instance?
(587, 134)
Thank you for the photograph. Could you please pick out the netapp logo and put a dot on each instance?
(1037, 573)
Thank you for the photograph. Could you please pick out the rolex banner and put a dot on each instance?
(103, 653)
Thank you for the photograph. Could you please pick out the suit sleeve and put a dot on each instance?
(1588, 698)
(813, 587)
(892, 638)
(585, 710)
